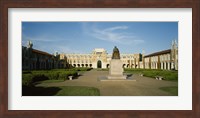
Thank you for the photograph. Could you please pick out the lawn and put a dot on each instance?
(166, 74)
(171, 89)
(29, 78)
(49, 81)
(60, 91)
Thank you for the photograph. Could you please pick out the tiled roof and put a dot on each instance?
(159, 53)
(41, 52)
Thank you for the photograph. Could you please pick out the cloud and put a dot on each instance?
(49, 45)
(117, 34)
(40, 38)
(116, 28)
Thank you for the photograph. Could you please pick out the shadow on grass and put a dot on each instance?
(39, 91)
(173, 90)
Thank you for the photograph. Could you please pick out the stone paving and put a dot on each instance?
(143, 86)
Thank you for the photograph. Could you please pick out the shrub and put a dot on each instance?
(52, 75)
(166, 74)
(26, 72)
(63, 76)
(27, 80)
(39, 77)
(72, 73)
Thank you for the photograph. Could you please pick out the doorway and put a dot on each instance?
(99, 64)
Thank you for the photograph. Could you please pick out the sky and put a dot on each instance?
(83, 37)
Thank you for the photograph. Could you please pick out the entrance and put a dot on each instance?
(99, 64)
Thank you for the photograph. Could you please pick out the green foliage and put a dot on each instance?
(171, 89)
(63, 76)
(78, 91)
(60, 91)
(51, 81)
(41, 75)
(26, 79)
(166, 74)
(38, 77)
(52, 75)
(81, 69)
(73, 69)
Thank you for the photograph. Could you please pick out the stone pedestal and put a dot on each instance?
(116, 70)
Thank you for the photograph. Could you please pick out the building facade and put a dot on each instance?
(165, 60)
(99, 58)
(33, 59)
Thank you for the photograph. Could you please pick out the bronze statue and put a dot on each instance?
(115, 54)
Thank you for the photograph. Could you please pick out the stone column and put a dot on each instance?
(156, 65)
(161, 65)
(169, 67)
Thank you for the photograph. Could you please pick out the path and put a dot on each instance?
(143, 86)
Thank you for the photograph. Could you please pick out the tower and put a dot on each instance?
(29, 44)
(174, 55)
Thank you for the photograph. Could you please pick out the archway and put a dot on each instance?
(127, 65)
(90, 65)
(74, 65)
(107, 65)
(124, 65)
(99, 64)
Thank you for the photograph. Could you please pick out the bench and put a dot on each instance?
(159, 77)
(70, 77)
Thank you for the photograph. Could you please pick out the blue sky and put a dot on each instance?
(83, 37)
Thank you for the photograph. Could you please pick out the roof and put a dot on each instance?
(159, 53)
(99, 49)
(41, 52)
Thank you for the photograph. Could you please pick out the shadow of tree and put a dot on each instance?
(129, 75)
(39, 91)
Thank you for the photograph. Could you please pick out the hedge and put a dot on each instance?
(27, 80)
(35, 76)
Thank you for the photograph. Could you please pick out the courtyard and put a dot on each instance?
(137, 86)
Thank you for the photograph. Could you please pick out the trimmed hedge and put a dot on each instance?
(27, 80)
(35, 76)
(52, 75)
(166, 74)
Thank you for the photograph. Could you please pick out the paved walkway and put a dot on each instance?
(143, 86)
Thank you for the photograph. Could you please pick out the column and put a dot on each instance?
(156, 65)
(168, 65)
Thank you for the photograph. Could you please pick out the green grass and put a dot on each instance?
(102, 69)
(50, 81)
(60, 91)
(172, 89)
(78, 91)
(29, 78)
(166, 74)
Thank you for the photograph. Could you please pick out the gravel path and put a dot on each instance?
(143, 86)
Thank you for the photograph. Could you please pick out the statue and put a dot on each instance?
(116, 70)
(115, 54)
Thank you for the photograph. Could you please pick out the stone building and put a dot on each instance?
(33, 59)
(166, 59)
(99, 58)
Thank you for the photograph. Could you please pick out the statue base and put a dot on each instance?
(116, 70)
